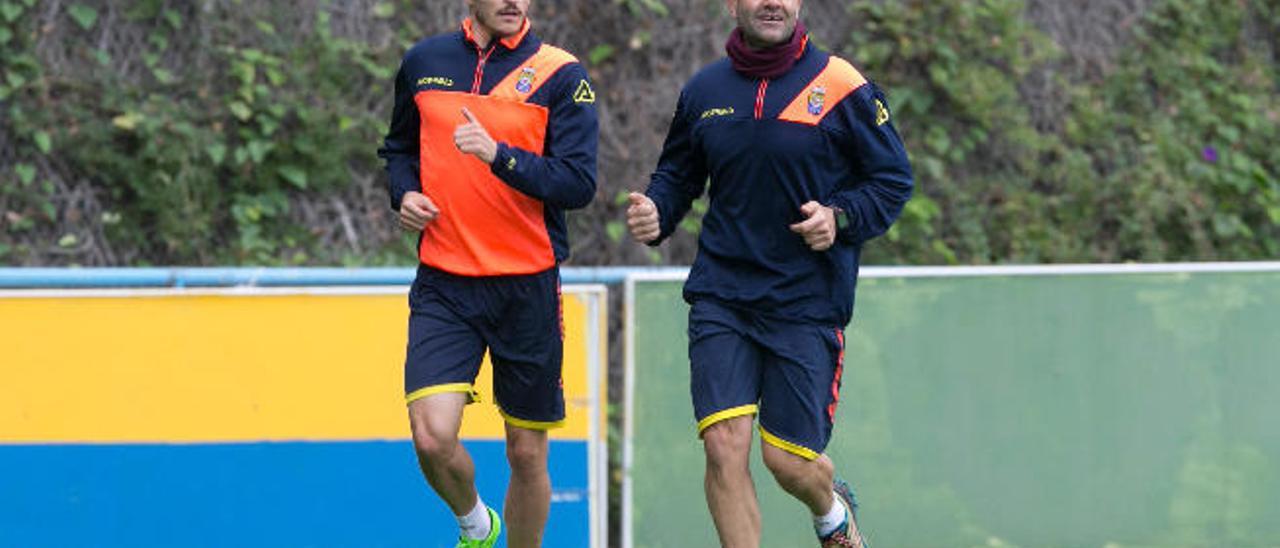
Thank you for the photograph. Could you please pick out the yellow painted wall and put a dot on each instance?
(229, 367)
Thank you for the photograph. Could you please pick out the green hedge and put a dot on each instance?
(1168, 155)
(201, 167)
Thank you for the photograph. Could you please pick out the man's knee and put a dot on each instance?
(527, 451)
(728, 443)
(434, 422)
(434, 446)
(787, 468)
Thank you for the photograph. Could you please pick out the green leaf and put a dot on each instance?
(615, 230)
(217, 153)
(43, 142)
(240, 110)
(941, 248)
(269, 126)
(601, 53)
(384, 10)
(252, 55)
(1229, 133)
(158, 42)
(84, 16)
(26, 173)
(5, 35)
(127, 121)
(14, 79)
(294, 175)
(173, 18)
(258, 150)
(10, 11)
(275, 76)
(68, 240)
(657, 6)
(163, 76)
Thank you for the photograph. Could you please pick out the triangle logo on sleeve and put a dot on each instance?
(584, 94)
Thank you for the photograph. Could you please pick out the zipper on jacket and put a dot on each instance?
(483, 58)
(764, 85)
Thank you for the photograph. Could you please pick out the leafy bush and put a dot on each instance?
(203, 168)
(1168, 157)
(236, 132)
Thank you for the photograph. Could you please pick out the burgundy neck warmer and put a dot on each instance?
(769, 62)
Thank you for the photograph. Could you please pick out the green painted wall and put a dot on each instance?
(1093, 411)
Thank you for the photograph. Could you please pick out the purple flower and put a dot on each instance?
(1210, 155)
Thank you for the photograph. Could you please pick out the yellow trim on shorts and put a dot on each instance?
(726, 415)
(530, 425)
(804, 452)
(462, 387)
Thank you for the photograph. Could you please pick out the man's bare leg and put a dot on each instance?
(529, 494)
(435, 421)
(809, 481)
(731, 495)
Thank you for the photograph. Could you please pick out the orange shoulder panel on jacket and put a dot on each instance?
(522, 82)
(827, 89)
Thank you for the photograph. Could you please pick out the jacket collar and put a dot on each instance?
(511, 42)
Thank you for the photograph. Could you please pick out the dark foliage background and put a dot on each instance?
(242, 132)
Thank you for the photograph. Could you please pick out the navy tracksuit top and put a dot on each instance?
(818, 133)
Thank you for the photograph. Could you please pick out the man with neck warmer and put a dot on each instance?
(492, 138)
(804, 166)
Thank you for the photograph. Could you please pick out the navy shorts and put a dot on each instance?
(454, 319)
(786, 372)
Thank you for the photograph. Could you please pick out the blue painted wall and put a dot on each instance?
(359, 494)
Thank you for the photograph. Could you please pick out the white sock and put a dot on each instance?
(475, 525)
(825, 525)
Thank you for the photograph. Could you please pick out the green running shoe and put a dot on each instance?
(495, 529)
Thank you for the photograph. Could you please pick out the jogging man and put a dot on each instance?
(493, 135)
(804, 167)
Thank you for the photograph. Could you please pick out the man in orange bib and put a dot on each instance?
(493, 136)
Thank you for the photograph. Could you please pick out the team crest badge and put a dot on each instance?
(525, 83)
(817, 98)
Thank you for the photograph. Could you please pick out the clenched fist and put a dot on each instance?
(416, 210)
(819, 226)
(642, 218)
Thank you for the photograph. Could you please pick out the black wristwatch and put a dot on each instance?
(842, 218)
